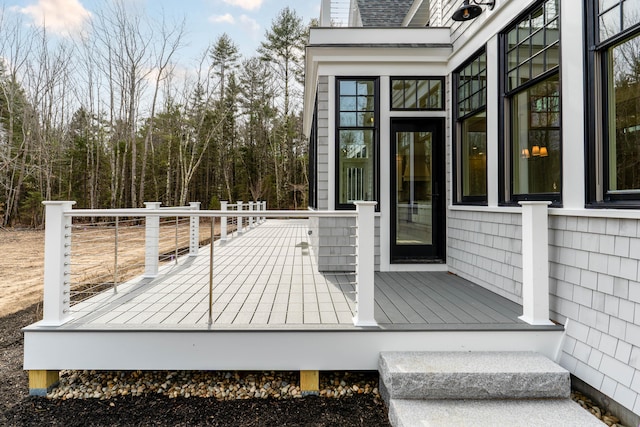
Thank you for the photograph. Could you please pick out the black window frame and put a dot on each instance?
(440, 79)
(597, 165)
(376, 140)
(506, 197)
(458, 194)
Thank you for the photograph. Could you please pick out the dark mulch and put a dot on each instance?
(18, 409)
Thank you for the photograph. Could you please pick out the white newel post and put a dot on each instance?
(194, 230)
(250, 225)
(365, 259)
(152, 241)
(264, 209)
(223, 222)
(239, 224)
(535, 263)
(57, 265)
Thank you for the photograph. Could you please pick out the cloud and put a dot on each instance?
(59, 16)
(250, 23)
(245, 4)
(226, 18)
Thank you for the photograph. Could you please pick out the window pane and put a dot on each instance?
(410, 94)
(397, 94)
(624, 117)
(365, 88)
(474, 155)
(423, 94)
(365, 119)
(610, 24)
(347, 87)
(348, 119)
(630, 13)
(536, 155)
(606, 4)
(355, 164)
(435, 94)
(347, 103)
(537, 32)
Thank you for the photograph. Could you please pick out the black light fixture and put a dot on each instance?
(468, 11)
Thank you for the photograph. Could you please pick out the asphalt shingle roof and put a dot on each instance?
(383, 13)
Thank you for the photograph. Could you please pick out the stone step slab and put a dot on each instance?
(471, 375)
(490, 413)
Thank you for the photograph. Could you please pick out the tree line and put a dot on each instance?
(110, 118)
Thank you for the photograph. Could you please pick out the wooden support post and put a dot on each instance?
(310, 382)
(365, 266)
(194, 230)
(239, 224)
(57, 263)
(152, 241)
(250, 218)
(223, 222)
(40, 382)
(535, 263)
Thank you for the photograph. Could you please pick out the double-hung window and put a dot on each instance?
(471, 130)
(532, 149)
(356, 141)
(614, 125)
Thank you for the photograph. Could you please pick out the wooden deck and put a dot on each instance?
(267, 278)
(273, 310)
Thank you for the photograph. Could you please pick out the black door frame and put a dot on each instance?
(421, 253)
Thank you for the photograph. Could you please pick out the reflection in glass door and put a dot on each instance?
(413, 188)
(416, 206)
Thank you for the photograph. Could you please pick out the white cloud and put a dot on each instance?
(250, 23)
(245, 4)
(226, 18)
(59, 16)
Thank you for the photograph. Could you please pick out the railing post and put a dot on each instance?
(57, 266)
(223, 223)
(239, 224)
(194, 230)
(535, 263)
(365, 257)
(152, 241)
(250, 224)
(264, 208)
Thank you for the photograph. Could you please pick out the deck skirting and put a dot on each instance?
(356, 349)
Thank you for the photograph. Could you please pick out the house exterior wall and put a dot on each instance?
(594, 254)
(594, 286)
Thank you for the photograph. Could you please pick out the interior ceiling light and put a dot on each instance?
(468, 11)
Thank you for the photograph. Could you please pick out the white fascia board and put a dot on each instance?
(379, 36)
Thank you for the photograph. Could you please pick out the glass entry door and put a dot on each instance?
(417, 186)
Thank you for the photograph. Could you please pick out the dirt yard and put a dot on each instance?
(93, 260)
(21, 269)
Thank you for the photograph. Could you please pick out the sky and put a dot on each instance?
(245, 21)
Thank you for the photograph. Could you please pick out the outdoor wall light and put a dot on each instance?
(468, 11)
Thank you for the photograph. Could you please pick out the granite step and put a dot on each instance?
(490, 413)
(471, 375)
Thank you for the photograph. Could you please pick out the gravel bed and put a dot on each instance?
(209, 384)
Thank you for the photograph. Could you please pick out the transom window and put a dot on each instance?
(416, 93)
(471, 147)
(356, 142)
(616, 16)
(533, 45)
(532, 109)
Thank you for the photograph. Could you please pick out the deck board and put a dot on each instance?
(268, 276)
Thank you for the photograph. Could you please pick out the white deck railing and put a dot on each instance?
(58, 268)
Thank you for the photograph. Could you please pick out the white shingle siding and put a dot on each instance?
(594, 283)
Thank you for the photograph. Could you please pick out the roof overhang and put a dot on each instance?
(364, 48)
